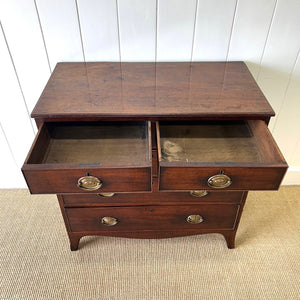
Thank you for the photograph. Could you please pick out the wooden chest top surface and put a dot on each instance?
(152, 91)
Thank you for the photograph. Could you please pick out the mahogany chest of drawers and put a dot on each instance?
(152, 150)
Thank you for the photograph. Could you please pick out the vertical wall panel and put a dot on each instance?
(13, 114)
(292, 176)
(99, 27)
(137, 21)
(250, 31)
(10, 176)
(295, 160)
(60, 26)
(213, 28)
(21, 26)
(287, 127)
(280, 52)
(175, 29)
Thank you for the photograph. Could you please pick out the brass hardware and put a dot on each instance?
(219, 181)
(109, 221)
(106, 194)
(199, 193)
(89, 183)
(194, 219)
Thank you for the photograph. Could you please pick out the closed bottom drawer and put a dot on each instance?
(97, 219)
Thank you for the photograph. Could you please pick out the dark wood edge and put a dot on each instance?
(158, 152)
(175, 164)
(66, 167)
(149, 149)
(153, 118)
(158, 142)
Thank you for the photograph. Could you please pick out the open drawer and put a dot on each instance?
(80, 157)
(233, 155)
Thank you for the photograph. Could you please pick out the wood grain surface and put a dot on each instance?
(152, 91)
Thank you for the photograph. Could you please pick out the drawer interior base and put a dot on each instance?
(208, 142)
(96, 143)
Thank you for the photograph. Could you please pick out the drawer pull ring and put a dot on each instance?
(107, 195)
(199, 194)
(194, 219)
(89, 183)
(219, 181)
(109, 221)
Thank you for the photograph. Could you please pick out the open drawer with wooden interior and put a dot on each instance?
(233, 155)
(209, 146)
(79, 157)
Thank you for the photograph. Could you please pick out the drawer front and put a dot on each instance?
(240, 178)
(130, 199)
(66, 181)
(152, 218)
(235, 155)
(89, 157)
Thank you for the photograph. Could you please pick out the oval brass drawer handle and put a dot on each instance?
(107, 195)
(89, 183)
(109, 221)
(194, 219)
(198, 193)
(219, 181)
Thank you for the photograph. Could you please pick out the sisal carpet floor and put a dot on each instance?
(36, 262)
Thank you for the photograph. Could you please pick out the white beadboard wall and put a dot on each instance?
(36, 34)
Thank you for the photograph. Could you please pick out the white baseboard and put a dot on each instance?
(292, 177)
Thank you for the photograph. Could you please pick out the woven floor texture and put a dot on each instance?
(36, 262)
